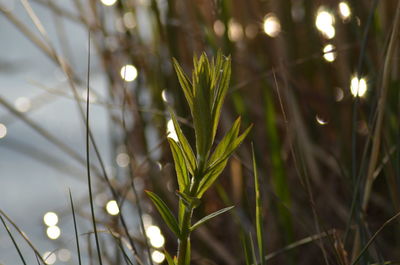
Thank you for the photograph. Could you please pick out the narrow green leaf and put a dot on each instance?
(180, 165)
(201, 113)
(185, 83)
(226, 144)
(169, 259)
(210, 216)
(245, 242)
(218, 166)
(165, 213)
(259, 218)
(183, 142)
(210, 177)
(222, 86)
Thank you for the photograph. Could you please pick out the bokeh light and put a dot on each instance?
(358, 86)
(219, 28)
(3, 130)
(112, 207)
(320, 120)
(153, 231)
(329, 54)
(157, 256)
(325, 23)
(122, 159)
(108, 2)
(22, 104)
(129, 73)
(50, 219)
(49, 257)
(53, 232)
(344, 10)
(235, 30)
(171, 131)
(271, 25)
(157, 241)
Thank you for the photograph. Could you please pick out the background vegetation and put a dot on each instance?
(325, 124)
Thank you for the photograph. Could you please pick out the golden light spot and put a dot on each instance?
(53, 232)
(108, 2)
(122, 159)
(325, 23)
(271, 25)
(358, 87)
(49, 257)
(235, 30)
(50, 219)
(3, 130)
(171, 131)
(344, 10)
(22, 104)
(329, 54)
(112, 207)
(157, 256)
(219, 28)
(128, 73)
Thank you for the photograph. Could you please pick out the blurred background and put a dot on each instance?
(309, 75)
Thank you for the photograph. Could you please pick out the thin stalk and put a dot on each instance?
(78, 249)
(88, 159)
(13, 240)
(186, 223)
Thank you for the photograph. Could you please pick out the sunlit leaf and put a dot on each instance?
(183, 142)
(185, 83)
(227, 143)
(169, 259)
(224, 74)
(180, 165)
(165, 213)
(259, 217)
(210, 177)
(209, 217)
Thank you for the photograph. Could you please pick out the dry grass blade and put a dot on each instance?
(23, 235)
(13, 240)
(364, 250)
(88, 160)
(297, 244)
(376, 143)
(78, 250)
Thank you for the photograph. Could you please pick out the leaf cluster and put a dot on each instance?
(196, 172)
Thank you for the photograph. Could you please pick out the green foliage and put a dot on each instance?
(165, 212)
(259, 217)
(205, 95)
(210, 216)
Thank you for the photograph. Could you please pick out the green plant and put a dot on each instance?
(205, 95)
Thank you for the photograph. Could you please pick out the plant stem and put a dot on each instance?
(185, 236)
(186, 224)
